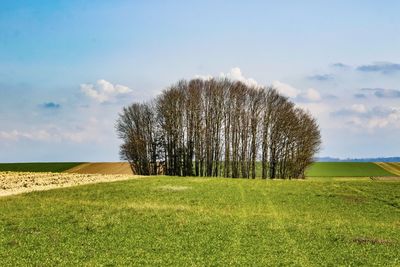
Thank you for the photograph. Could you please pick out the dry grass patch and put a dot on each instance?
(367, 240)
(353, 198)
(174, 188)
(12, 183)
(386, 178)
(156, 206)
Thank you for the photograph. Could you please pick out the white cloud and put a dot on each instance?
(15, 135)
(104, 91)
(309, 95)
(378, 123)
(365, 118)
(312, 95)
(370, 123)
(235, 74)
(203, 77)
(90, 130)
(317, 109)
(286, 89)
(358, 108)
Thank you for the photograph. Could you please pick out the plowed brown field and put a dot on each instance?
(393, 167)
(102, 168)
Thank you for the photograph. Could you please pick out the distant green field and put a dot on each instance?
(38, 166)
(346, 169)
(177, 221)
(318, 169)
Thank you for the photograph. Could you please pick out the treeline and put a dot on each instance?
(218, 127)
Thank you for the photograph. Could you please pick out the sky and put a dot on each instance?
(68, 67)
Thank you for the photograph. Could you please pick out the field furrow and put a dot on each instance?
(393, 167)
(102, 168)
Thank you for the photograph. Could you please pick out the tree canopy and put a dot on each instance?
(218, 127)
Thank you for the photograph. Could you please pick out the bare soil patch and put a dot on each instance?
(102, 168)
(12, 183)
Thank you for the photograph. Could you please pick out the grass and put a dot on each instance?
(160, 221)
(38, 166)
(346, 169)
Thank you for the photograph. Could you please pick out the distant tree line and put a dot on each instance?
(218, 127)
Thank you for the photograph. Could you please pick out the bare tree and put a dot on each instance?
(136, 127)
(219, 128)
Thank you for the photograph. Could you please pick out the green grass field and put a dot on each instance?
(160, 221)
(346, 169)
(38, 166)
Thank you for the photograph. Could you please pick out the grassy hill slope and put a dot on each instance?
(177, 221)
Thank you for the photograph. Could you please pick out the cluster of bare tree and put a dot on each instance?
(218, 127)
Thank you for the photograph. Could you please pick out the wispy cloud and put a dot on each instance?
(354, 109)
(235, 74)
(330, 97)
(321, 77)
(88, 131)
(104, 91)
(15, 135)
(308, 95)
(312, 95)
(382, 92)
(380, 67)
(360, 96)
(50, 105)
(286, 89)
(340, 65)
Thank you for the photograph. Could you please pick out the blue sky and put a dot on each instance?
(68, 67)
